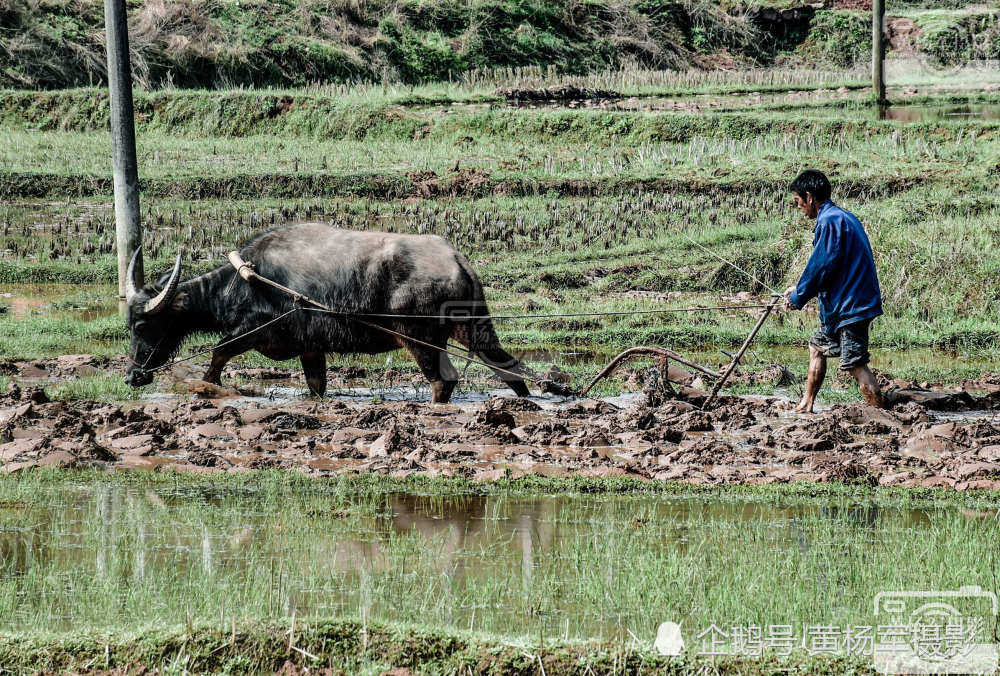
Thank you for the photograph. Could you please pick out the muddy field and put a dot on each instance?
(934, 435)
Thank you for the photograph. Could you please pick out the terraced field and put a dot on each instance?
(662, 191)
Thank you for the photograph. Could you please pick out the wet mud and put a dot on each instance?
(933, 435)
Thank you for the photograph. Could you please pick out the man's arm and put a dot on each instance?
(822, 262)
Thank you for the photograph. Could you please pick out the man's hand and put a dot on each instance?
(788, 303)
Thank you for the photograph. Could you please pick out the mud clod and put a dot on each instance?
(204, 459)
(493, 417)
(512, 405)
(694, 421)
(284, 421)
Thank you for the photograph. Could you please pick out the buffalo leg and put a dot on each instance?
(495, 356)
(438, 370)
(314, 367)
(498, 358)
(214, 373)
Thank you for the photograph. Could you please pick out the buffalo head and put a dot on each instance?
(155, 332)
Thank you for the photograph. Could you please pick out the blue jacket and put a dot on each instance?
(840, 272)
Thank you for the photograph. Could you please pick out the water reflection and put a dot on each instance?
(939, 112)
(398, 556)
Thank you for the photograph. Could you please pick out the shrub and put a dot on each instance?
(957, 38)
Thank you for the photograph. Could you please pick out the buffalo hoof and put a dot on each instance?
(138, 377)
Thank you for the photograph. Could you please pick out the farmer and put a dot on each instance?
(841, 274)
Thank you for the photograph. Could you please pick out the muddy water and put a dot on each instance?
(98, 554)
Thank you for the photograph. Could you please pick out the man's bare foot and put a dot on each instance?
(872, 395)
(804, 407)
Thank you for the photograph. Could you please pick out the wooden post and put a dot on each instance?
(128, 227)
(878, 51)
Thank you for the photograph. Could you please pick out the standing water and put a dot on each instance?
(103, 554)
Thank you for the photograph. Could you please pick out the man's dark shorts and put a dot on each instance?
(850, 344)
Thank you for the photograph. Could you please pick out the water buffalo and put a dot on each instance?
(360, 272)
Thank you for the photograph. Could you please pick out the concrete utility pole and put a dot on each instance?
(128, 227)
(878, 51)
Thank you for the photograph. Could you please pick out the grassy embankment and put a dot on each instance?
(208, 573)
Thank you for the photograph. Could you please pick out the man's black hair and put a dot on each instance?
(812, 182)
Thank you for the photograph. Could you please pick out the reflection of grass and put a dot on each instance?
(138, 549)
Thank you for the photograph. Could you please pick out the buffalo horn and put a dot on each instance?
(162, 299)
(132, 285)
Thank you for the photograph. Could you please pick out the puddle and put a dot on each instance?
(509, 565)
(916, 113)
(83, 303)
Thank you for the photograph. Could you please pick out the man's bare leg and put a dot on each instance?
(868, 386)
(817, 373)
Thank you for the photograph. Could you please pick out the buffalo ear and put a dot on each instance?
(180, 300)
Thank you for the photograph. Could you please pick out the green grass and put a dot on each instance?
(935, 249)
(94, 388)
(112, 555)
(477, 142)
(379, 116)
(956, 37)
(42, 336)
(560, 210)
(369, 649)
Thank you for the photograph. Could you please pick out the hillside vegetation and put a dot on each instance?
(220, 44)
(215, 43)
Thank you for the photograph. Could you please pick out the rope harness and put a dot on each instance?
(246, 271)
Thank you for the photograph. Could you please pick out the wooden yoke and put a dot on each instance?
(246, 271)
